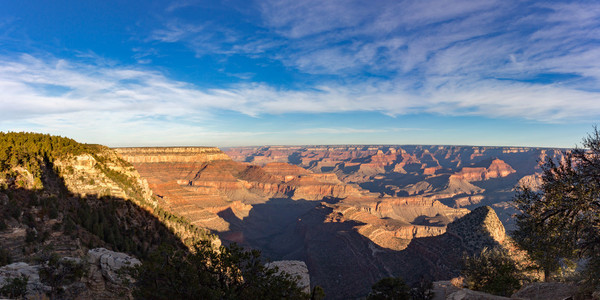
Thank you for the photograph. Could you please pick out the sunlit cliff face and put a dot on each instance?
(371, 207)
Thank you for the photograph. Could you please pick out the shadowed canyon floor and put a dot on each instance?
(353, 214)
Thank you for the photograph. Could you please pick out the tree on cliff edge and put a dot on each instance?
(561, 221)
(228, 273)
(389, 288)
(492, 271)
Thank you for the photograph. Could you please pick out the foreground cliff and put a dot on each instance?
(62, 201)
(59, 199)
(96, 275)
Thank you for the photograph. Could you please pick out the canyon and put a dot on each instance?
(457, 176)
(342, 217)
(353, 214)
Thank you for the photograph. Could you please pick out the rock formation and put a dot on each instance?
(465, 294)
(532, 291)
(171, 154)
(353, 214)
(478, 229)
(546, 291)
(296, 269)
(101, 280)
(16, 270)
(457, 176)
(109, 262)
(206, 186)
(496, 169)
(294, 213)
(61, 198)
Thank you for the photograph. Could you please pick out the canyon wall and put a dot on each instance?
(171, 154)
(331, 217)
(319, 209)
(56, 207)
(457, 176)
(204, 186)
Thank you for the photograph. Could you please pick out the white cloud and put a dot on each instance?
(336, 37)
(297, 19)
(457, 58)
(176, 31)
(401, 39)
(60, 94)
(516, 100)
(484, 39)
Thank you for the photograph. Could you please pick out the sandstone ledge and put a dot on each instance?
(171, 154)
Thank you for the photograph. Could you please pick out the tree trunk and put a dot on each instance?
(546, 275)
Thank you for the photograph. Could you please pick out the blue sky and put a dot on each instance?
(231, 73)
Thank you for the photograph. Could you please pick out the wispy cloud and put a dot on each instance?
(175, 5)
(383, 36)
(210, 38)
(298, 19)
(55, 88)
(484, 39)
(175, 32)
(500, 60)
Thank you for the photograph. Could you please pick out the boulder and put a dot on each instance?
(34, 284)
(442, 289)
(109, 262)
(294, 268)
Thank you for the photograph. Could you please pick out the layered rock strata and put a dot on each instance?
(206, 187)
(171, 154)
(458, 176)
(350, 263)
(291, 213)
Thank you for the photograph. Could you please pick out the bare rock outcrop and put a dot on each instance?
(410, 209)
(295, 268)
(35, 287)
(393, 222)
(445, 290)
(478, 229)
(468, 200)
(101, 280)
(533, 181)
(108, 262)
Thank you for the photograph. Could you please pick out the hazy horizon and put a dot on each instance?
(237, 73)
(339, 145)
